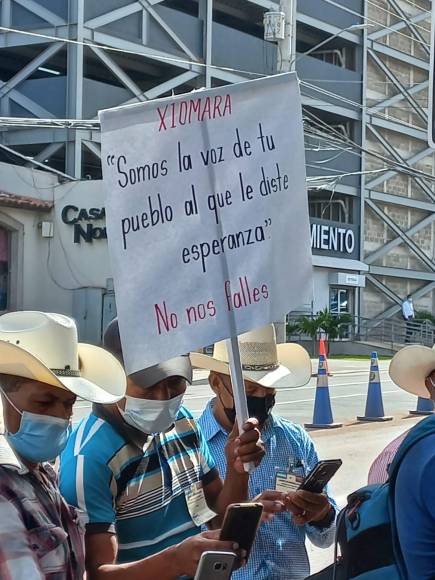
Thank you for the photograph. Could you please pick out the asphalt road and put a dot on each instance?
(356, 443)
(347, 386)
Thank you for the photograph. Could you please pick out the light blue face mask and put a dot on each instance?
(40, 437)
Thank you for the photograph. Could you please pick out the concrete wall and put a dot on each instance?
(321, 289)
(54, 268)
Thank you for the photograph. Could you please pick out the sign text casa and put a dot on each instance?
(83, 221)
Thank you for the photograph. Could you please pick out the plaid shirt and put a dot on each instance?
(379, 470)
(40, 538)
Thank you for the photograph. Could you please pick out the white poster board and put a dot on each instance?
(207, 215)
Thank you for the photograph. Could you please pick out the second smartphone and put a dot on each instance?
(241, 523)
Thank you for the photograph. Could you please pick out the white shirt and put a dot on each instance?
(408, 309)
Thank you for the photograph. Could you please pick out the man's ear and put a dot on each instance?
(215, 382)
(429, 386)
(220, 390)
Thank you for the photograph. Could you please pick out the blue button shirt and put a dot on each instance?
(415, 509)
(279, 551)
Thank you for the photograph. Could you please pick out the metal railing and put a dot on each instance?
(391, 333)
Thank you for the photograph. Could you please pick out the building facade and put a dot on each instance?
(399, 205)
(363, 67)
(53, 251)
(330, 64)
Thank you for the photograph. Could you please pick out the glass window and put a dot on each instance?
(340, 301)
(332, 207)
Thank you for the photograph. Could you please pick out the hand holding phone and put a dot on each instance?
(215, 566)
(316, 481)
(308, 504)
(241, 523)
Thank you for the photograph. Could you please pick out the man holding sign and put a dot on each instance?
(207, 219)
(146, 480)
(279, 551)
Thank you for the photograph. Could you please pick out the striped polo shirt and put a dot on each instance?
(135, 485)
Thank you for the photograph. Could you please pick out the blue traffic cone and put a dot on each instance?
(374, 404)
(424, 407)
(322, 418)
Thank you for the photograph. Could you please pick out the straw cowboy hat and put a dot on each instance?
(263, 361)
(44, 347)
(410, 367)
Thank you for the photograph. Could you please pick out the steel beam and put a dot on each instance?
(398, 26)
(47, 152)
(206, 15)
(328, 28)
(16, 39)
(308, 101)
(41, 12)
(163, 88)
(39, 136)
(94, 148)
(5, 107)
(395, 155)
(171, 33)
(227, 76)
(408, 202)
(381, 48)
(402, 273)
(414, 30)
(397, 241)
(113, 15)
(28, 104)
(73, 158)
(421, 255)
(391, 173)
(6, 13)
(398, 98)
(136, 48)
(267, 4)
(399, 86)
(398, 127)
(33, 65)
(417, 294)
(384, 289)
(119, 73)
(362, 206)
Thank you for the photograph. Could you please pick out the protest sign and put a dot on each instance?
(207, 215)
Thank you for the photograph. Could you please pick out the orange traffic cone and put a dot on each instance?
(322, 351)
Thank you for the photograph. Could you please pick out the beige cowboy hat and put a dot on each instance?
(44, 347)
(410, 366)
(263, 361)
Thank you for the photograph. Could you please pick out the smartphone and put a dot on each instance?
(318, 478)
(215, 566)
(241, 523)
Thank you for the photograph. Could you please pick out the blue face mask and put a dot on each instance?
(40, 437)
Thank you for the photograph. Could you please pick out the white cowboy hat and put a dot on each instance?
(263, 361)
(410, 366)
(44, 347)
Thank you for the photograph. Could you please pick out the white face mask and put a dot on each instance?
(150, 416)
